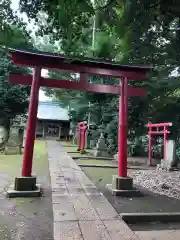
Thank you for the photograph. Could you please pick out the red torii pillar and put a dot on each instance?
(122, 129)
(81, 131)
(31, 124)
(26, 185)
(79, 135)
(83, 135)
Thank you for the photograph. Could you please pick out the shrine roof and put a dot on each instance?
(50, 110)
(53, 60)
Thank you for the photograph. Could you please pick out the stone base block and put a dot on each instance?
(10, 150)
(25, 183)
(83, 152)
(24, 187)
(122, 183)
(124, 193)
(123, 186)
(11, 193)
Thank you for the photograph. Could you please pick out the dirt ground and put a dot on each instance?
(26, 218)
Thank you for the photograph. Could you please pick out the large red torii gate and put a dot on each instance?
(39, 60)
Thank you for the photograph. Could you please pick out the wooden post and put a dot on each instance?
(149, 146)
(31, 124)
(122, 130)
(83, 133)
(165, 139)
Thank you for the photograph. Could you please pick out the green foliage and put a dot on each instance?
(132, 32)
(13, 98)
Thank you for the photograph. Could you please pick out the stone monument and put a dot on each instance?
(15, 140)
(88, 137)
(170, 161)
(101, 148)
(3, 138)
(24, 138)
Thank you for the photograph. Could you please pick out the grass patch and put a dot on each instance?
(95, 174)
(12, 164)
(66, 143)
(41, 170)
(70, 149)
(94, 161)
(78, 155)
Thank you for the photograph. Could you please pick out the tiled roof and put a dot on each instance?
(49, 110)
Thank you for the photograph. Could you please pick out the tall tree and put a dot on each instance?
(13, 98)
(137, 32)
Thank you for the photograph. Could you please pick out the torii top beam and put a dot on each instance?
(86, 65)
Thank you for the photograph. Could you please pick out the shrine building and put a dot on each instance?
(52, 120)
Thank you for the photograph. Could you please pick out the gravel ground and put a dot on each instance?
(164, 183)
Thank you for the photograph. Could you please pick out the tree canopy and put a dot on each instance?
(131, 32)
(13, 98)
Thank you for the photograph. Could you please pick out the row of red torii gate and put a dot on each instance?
(122, 184)
(153, 129)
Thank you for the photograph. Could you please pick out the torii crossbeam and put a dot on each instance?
(41, 60)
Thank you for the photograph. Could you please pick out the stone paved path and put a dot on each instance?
(81, 212)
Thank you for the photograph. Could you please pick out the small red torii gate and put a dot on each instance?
(39, 60)
(151, 132)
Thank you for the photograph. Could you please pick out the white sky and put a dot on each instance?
(15, 7)
(42, 96)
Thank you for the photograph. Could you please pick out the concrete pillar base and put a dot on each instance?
(122, 183)
(83, 152)
(123, 186)
(24, 187)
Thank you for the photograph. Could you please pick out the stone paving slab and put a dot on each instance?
(103, 208)
(64, 212)
(67, 230)
(61, 198)
(159, 235)
(80, 211)
(118, 230)
(84, 209)
(94, 230)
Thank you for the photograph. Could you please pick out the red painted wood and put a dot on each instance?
(20, 79)
(158, 124)
(66, 84)
(165, 138)
(122, 130)
(30, 60)
(149, 146)
(31, 124)
(157, 132)
(83, 134)
(41, 60)
(80, 125)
